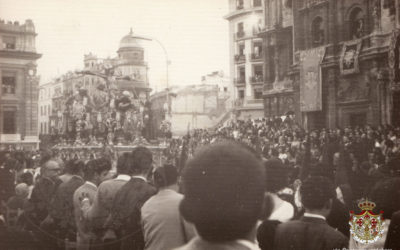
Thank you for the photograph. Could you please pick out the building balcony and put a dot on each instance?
(257, 30)
(256, 56)
(239, 102)
(240, 34)
(240, 7)
(254, 101)
(240, 58)
(239, 81)
(257, 79)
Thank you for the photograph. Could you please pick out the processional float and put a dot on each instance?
(112, 119)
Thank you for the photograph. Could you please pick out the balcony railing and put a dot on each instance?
(240, 81)
(239, 102)
(255, 101)
(256, 56)
(240, 34)
(240, 58)
(257, 30)
(257, 79)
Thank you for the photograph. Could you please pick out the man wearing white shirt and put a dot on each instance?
(312, 231)
(96, 213)
(95, 172)
(165, 228)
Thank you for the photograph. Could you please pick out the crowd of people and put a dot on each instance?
(254, 184)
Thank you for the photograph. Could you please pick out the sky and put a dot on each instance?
(194, 33)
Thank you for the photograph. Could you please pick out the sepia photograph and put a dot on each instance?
(199, 125)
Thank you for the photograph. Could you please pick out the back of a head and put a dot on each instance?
(45, 156)
(276, 174)
(142, 160)
(321, 169)
(386, 195)
(96, 166)
(124, 163)
(274, 152)
(27, 178)
(315, 191)
(165, 176)
(75, 167)
(224, 187)
(22, 190)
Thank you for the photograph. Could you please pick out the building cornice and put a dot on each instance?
(19, 32)
(237, 13)
(19, 54)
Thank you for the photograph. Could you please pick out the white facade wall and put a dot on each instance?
(252, 18)
(46, 93)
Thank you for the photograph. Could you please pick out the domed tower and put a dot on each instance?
(131, 49)
(131, 65)
(90, 61)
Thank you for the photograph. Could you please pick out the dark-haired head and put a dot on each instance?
(386, 195)
(124, 164)
(27, 178)
(274, 152)
(276, 174)
(75, 167)
(321, 169)
(142, 160)
(45, 156)
(97, 170)
(224, 187)
(165, 176)
(317, 193)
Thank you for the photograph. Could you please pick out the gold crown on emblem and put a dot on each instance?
(366, 205)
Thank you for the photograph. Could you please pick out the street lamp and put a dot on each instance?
(167, 63)
(31, 73)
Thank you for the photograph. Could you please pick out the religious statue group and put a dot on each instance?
(107, 116)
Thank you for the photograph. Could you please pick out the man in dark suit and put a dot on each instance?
(37, 207)
(224, 187)
(62, 207)
(393, 235)
(125, 217)
(97, 211)
(312, 230)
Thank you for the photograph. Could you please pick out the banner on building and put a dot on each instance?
(310, 79)
(349, 57)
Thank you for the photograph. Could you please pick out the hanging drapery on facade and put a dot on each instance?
(310, 79)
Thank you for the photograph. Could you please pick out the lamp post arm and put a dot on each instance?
(166, 60)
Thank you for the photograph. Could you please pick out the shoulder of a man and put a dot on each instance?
(199, 244)
(295, 226)
(107, 185)
(85, 189)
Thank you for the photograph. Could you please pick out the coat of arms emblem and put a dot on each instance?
(366, 227)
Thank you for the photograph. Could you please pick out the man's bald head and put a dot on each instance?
(50, 169)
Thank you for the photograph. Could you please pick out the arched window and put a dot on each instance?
(357, 26)
(318, 33)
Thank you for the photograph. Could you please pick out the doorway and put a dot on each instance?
(358, 119)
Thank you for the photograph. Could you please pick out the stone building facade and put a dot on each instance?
(19, 85)
(191, 107)
(355, 75)
(246, 56)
